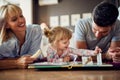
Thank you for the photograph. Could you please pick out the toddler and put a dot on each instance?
(59, 50)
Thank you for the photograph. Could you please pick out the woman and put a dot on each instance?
(17, 41)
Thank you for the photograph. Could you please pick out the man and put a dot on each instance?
(103, 30)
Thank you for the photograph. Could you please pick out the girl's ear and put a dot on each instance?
(55, 43)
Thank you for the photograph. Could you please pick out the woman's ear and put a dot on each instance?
(7, 26)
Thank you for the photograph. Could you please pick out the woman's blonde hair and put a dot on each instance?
(57, 33)
(5, 13)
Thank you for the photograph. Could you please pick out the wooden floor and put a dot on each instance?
(31, 74)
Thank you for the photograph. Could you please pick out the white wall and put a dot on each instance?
(26, 6)
(119, 13)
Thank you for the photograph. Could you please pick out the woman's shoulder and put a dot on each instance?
(33, 30)
(33, 26)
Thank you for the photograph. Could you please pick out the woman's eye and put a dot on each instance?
(21, 15)
(14, 19)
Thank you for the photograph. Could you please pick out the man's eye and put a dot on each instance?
(94, 30)
(105, 32)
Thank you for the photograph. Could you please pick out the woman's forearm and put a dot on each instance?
(8, 64)
(12, 63)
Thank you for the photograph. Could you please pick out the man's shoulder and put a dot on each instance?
(117, 23)
(84, 24)
(116, 27)
(86, 20)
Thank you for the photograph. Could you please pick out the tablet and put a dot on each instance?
(69, 66)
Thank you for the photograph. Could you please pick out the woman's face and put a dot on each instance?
(16, 22)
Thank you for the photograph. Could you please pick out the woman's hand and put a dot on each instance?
(115, 54)
(23, 61)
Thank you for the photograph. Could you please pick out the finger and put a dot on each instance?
(21, 65)
(114, 49)
(28, 62)
(111, 53)
(116, 60)
(26, 56)
(24, 66)
(117, 55)
(30, 59)
(98, 49)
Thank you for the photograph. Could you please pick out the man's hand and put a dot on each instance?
(97, 50)
(115, 54)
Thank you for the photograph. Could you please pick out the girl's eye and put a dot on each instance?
(64, 42)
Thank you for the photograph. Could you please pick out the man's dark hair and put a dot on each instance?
(105, 14)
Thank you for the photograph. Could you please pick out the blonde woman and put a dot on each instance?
(17, 40)
(59, 50)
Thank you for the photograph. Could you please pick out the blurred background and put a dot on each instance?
(56, 11)
(51, 13)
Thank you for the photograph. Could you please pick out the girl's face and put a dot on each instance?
(16, 23)
(63, 44)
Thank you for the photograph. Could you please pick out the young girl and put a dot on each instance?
(59, 50)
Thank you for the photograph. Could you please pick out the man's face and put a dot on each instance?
(100, 31)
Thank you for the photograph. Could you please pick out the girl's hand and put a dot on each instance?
(97, 50)
(66, 59)
(23, 61)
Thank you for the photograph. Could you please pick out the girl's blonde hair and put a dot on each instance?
(57, 33)
(5, 13)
